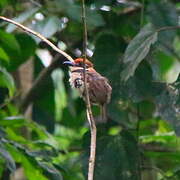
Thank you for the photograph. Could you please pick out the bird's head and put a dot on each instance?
(79, 62)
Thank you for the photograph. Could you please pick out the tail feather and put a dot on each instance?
(103, 110)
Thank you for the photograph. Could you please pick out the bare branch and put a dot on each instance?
(166, 28)
(88, 104)
(39, 36)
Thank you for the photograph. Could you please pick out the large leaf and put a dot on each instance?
(52, 172)
(10, 44)
(3, 55)
(29, 166)
(27, 45)
(137, 50)
(7, 81)
(36, 164)
(18, 48)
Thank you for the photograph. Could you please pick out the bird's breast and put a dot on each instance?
(76, 81)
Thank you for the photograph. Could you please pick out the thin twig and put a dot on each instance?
(39, 36)
(165, 28)
(88, 104)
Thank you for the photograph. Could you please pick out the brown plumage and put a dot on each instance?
(98, 86)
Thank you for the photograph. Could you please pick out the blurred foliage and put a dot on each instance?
(127, 45)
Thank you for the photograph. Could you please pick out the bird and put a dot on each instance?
(98, 86)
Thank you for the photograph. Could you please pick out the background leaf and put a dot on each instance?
(137, 50)
(7, 81)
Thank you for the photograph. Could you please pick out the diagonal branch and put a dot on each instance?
(88, 104)
(30, 31)
(166, 28)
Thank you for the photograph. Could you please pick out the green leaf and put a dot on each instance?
(10, 44)
(31, 168)
(31, 171)
(40, 161)
(27, 44)
(161, 64)
(14, 136)
(18, 48)
(9, 160)
(168, 139)
(40, 131)
(21, 18)
(137, 50)
(7, 81)
(51, 170)
(3, 55)
(12, 121)
(60, 93)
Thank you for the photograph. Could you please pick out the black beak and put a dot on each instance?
(69, 63)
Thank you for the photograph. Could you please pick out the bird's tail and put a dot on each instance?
(103, 111)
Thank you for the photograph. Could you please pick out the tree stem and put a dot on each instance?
(88, 104)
